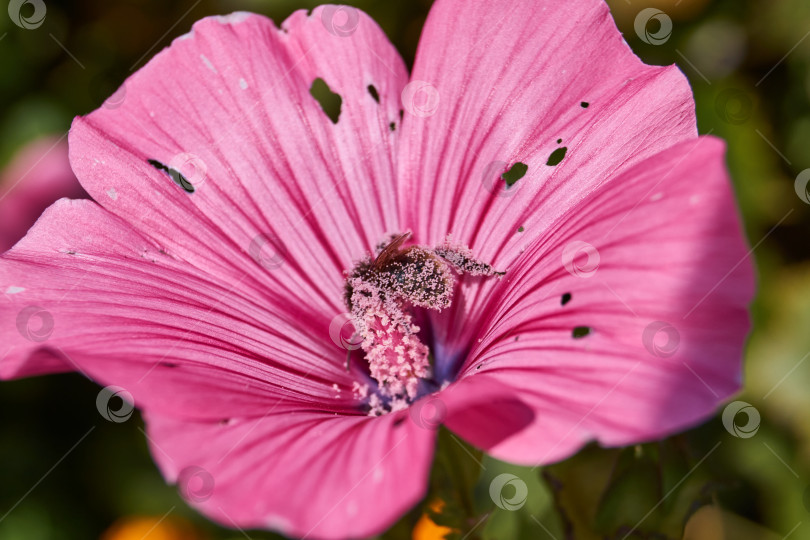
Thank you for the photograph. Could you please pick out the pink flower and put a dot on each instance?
(38, 175)
(230, 211)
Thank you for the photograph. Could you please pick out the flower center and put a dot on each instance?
(380, 294)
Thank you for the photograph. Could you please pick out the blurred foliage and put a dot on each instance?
(747, 61)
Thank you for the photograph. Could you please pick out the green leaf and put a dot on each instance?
(646, 491)
(456, 469)
(535, 517)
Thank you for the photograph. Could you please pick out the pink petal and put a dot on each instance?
(227, 353)
(38, 175)
(304, 474)
(510, 79)
(481, 408)
(283, 199)
(666, 305)
(85, 285)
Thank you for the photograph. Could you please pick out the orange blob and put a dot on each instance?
(150, 528)
(427, 529)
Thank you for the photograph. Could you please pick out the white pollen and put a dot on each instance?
(657, 196)
(14, 290)
(112, 194)
(243, 84)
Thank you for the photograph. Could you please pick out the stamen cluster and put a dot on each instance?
(379, 294)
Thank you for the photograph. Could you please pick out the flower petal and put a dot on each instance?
(38, 175)
(304, 474)
(626, 322)
(510, 79)
(104, 297)
(481, 408)
(283, 198)
(499, 87)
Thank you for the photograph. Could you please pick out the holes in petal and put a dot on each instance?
(373, 91)
(392, 126)
(565, 298)
(580, 332)
(521, 229)
(329, 101)
(174, 174)
(556, 156)
(584, 104)
(515, 173)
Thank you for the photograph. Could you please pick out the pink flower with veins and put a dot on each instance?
(234, 221)
(38, 175)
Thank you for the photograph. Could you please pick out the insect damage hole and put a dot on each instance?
(329, 101)
(556, 156)
(515, 173)
(373, 91)
(580, 332)
(174, 174)
(565, 298)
